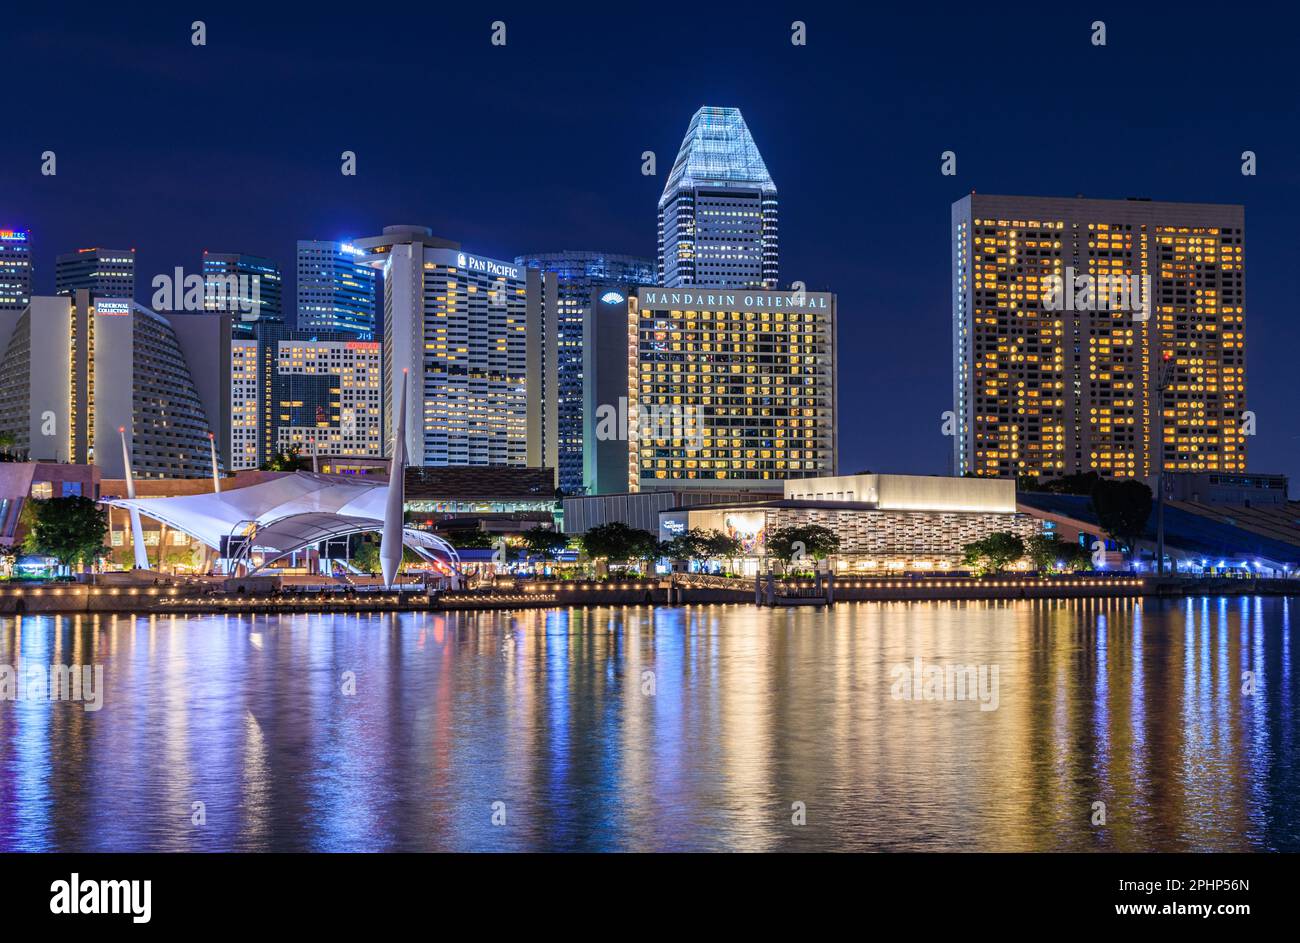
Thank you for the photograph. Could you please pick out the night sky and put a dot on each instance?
(537, 146)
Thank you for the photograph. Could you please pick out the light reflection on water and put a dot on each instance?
(1138, 705)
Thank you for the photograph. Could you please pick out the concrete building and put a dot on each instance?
(472, 334)
(718, 211)
(15, 270)
(718, 389)
(74, 371)
(584, 280)
(1070, 316)
(321, 392)
(105, 273)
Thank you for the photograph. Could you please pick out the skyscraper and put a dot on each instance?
(105, 273)
(471, 333)
(1069, 318)
(718, 212)
(318, 391)
(15, 270)
(725, 389)
(336, 291)
(580, 275)
(247, 287)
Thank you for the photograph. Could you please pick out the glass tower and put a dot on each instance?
(229, 279)
(15, 270)
(579, 275)
(718, 212)
(336, 292)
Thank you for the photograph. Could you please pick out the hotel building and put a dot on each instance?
(719, 388)
(75, 369)
(228, 287)
(1069, 318)
(15, 270)
(472, 334)
(583, 278)
(105, 273)
(336, 290)
(718, 211)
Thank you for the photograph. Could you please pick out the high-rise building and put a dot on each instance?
(471, 334)
(320, 392)
(105, 273)
(1070, 316)
(723, 389)
(336, 290)
(15, 270)
(580, 275)
(247, 287)
(718, 212)
(76, 369)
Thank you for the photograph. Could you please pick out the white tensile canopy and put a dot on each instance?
(285, 515)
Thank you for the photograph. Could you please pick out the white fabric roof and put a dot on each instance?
(290, 512)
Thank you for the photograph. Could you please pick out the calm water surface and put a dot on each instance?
(663, 729)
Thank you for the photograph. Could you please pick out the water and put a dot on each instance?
(662, 729)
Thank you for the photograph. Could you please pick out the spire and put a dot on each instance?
(216, 477)
(718, 151)
(390, 544)
(137, 532)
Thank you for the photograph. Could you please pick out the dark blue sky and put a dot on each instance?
(536, 146)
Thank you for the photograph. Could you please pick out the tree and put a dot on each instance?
(720, 546)
(1050, 554)
(1122, 509)
(618, 541)
(802, 542)
(993, 553)
(289, 460)
(69, 529)
(544, 542)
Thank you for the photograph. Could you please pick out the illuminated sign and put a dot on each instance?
(350, 249)
(611, 298)
(13, 235)
(720, 299)
(113, 308)
(473, 263)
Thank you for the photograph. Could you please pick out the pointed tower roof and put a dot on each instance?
(718, 151)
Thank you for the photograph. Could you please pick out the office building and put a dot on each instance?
(15, 270)
(74, 370)
(105, 273)
(718, 211)
(721, 389)
(581, 276)
(471, 334)
(1069, 318)
(247, 287)
(336, 291)
(319, 392)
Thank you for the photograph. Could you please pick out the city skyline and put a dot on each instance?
(881, 245)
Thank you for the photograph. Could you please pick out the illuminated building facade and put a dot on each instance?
(105, 273)
(15, 270)
(1066, 315)
(228, 286)
(727, 388)
(471, 334)
(317, 391)
(718, 211)
(336, 290)
(75, 369)
(581, 276)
